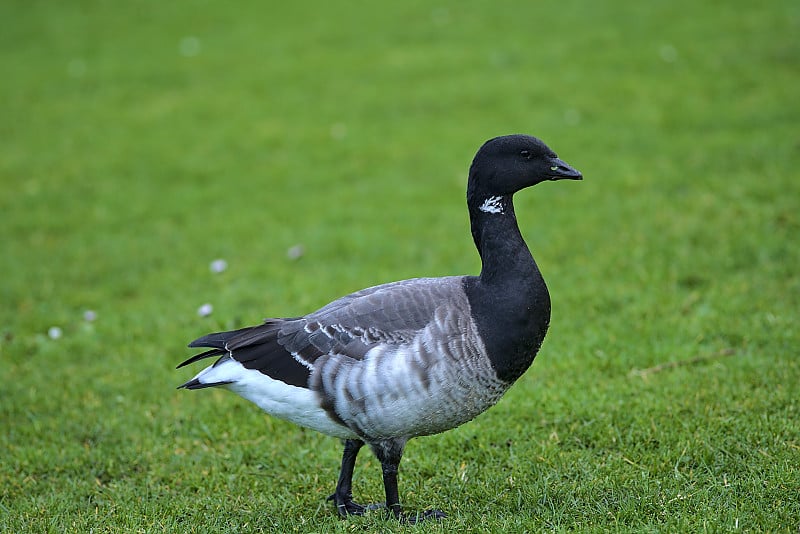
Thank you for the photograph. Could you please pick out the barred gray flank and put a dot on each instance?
(422, 382)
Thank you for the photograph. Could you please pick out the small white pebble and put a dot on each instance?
(76, 68)
(205, 310)
(338, 131)
(440, 16)
(189, 46)
(54, 332)
(668, 53)
(572, 117)
(296, 252)
(89, 315)
(218, 266)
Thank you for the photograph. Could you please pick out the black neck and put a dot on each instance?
(504, 255)
(509, 299)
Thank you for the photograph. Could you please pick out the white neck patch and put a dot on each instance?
(492, 205)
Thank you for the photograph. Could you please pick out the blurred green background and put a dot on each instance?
(142, 140)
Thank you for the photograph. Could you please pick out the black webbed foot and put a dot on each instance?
(345, 505)
(412, 518)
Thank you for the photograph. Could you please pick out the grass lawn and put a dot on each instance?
(142, 140)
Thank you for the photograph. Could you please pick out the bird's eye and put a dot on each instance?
(525, 154)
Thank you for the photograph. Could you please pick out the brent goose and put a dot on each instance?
(410, 358)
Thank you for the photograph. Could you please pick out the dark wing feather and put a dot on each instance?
(256, 347)
(286, 349)
(216, 342)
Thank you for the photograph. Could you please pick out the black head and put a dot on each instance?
(504, 165)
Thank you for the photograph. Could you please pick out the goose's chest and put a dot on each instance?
(428, 386)
(512, 322)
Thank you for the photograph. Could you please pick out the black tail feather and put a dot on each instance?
(196, 384)
(201, 356)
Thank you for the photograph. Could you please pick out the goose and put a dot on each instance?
(410, 358)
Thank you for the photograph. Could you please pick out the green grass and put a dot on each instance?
(141, 140)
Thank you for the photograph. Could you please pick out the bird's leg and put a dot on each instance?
(343, 496)
(389, 454)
